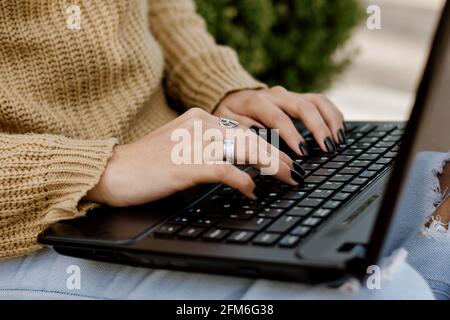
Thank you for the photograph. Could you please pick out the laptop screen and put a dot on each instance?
(424, 148)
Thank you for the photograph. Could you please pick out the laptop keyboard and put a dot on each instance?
(284, 215)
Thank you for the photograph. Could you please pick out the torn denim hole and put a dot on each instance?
(389, 266)
(437, 228)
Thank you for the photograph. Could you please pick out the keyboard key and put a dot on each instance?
(324, 172)
(397, 132)
(370, 140)
(331, 185)
(341, 178)
(350, 170)
(204, 222)
(359, 163)
(301, 231)
(191, 232)
(384, 161)
(332, 204)
(283, 224)
(315, 179)
(334, 165)
(240, 236)
(365, 128)
(254, 224)
(299, 211)
(289, 241)
(215, 234)
(311, 222)
(386, 127)
(266, 239)
(361, 145)
(359, 181)
(310, 202)
(352, 152)
(167, 230)
(368, 174)
(377, 134)
(376, 167)
(321, 194)
(179, 220)
(253, 205)
(322, 213)
(390, 154)
(350, 188)
(317, 160)
(368, 157)
(377, 150)
(392, 138)
(304, 187)
(341, 196)
(294, 195)
(271, 213)
(310, 166)
(242, 214)
(283, 204)
(343, 158)
(385, 144)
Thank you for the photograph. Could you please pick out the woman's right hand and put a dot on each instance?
(144, 171)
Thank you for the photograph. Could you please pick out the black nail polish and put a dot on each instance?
(342, 137)
(297, 176)
(331, 148)
(299, 168)
(304, 148)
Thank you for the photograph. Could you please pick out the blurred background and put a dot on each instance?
(324, 45)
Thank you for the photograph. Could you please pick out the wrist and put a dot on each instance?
(101, 192)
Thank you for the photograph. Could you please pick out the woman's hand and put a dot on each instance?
(145, 170)
(271, 108)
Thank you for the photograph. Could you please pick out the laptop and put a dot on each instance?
(334, 225)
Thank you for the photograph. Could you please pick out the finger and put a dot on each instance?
(308, 113)
(212, 122)
(243, 120)
(331, 114)
(252, 149)
(227, 174)
(268, 113)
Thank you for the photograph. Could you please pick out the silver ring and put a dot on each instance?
(228, 123)
(228, 150)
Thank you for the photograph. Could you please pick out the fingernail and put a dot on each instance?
(342, 137)
(253, 197)
(331, 148)
(299, 168)
(297, 176)
(304, 148)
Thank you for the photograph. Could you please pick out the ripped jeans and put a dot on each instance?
(428, 247)
(44, 274)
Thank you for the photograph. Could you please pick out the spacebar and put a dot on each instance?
(254, 224)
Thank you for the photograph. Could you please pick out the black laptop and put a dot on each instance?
(332, 226)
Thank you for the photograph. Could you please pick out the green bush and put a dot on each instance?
(289, 42)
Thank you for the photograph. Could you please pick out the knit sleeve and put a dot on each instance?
(42, 180)
(199, 72)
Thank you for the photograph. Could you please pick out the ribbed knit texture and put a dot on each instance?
(68, 96)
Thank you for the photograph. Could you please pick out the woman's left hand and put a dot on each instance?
(272, 107)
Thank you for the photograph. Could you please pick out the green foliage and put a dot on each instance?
(287, 42)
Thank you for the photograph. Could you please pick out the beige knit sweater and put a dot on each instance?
(68, 96)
